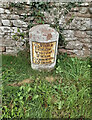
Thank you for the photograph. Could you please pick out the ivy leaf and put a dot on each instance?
(18, 30)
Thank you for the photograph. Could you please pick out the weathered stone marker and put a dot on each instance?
(43, 47)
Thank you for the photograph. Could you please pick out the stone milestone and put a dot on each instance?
(43, 47)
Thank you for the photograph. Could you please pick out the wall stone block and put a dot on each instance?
(7, 11)
(81, 34)
(84, 4)
(19, 23)
(5, 29)
(83, 10)
(78, 52)
(6, 22)
(1, 5)
(90, 10)
(0, 23)
(2, 49)
(68, 33)
(11, 50)
(4, 16)
(86, 52)
(75, 9)
(79, 23)
(8, 43)
(1, 10)
(84, 40)
(89, 33)
(74, 45)
(70, 39)
(14, 17)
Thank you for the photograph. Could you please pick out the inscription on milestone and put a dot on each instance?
(43, 53)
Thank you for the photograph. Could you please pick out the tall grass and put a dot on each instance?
(67, 97)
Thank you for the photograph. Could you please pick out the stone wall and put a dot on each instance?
(78, 33)
(10, 21)
(76, 24)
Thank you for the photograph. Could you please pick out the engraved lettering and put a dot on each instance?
(43, 53)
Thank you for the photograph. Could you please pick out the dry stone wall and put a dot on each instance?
(77, 27)
(78, 33)
(10, 22)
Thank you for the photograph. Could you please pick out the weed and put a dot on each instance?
(66, 97)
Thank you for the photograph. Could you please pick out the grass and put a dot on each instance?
(61, 93)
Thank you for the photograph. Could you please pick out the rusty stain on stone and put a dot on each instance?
(2, 49)
(49, 36)
(46, 31)
(30, 35)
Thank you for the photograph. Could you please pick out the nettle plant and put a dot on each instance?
(19, 37)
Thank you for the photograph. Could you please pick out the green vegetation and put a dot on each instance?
(37, 16)
(66, 96)
(61, 93)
